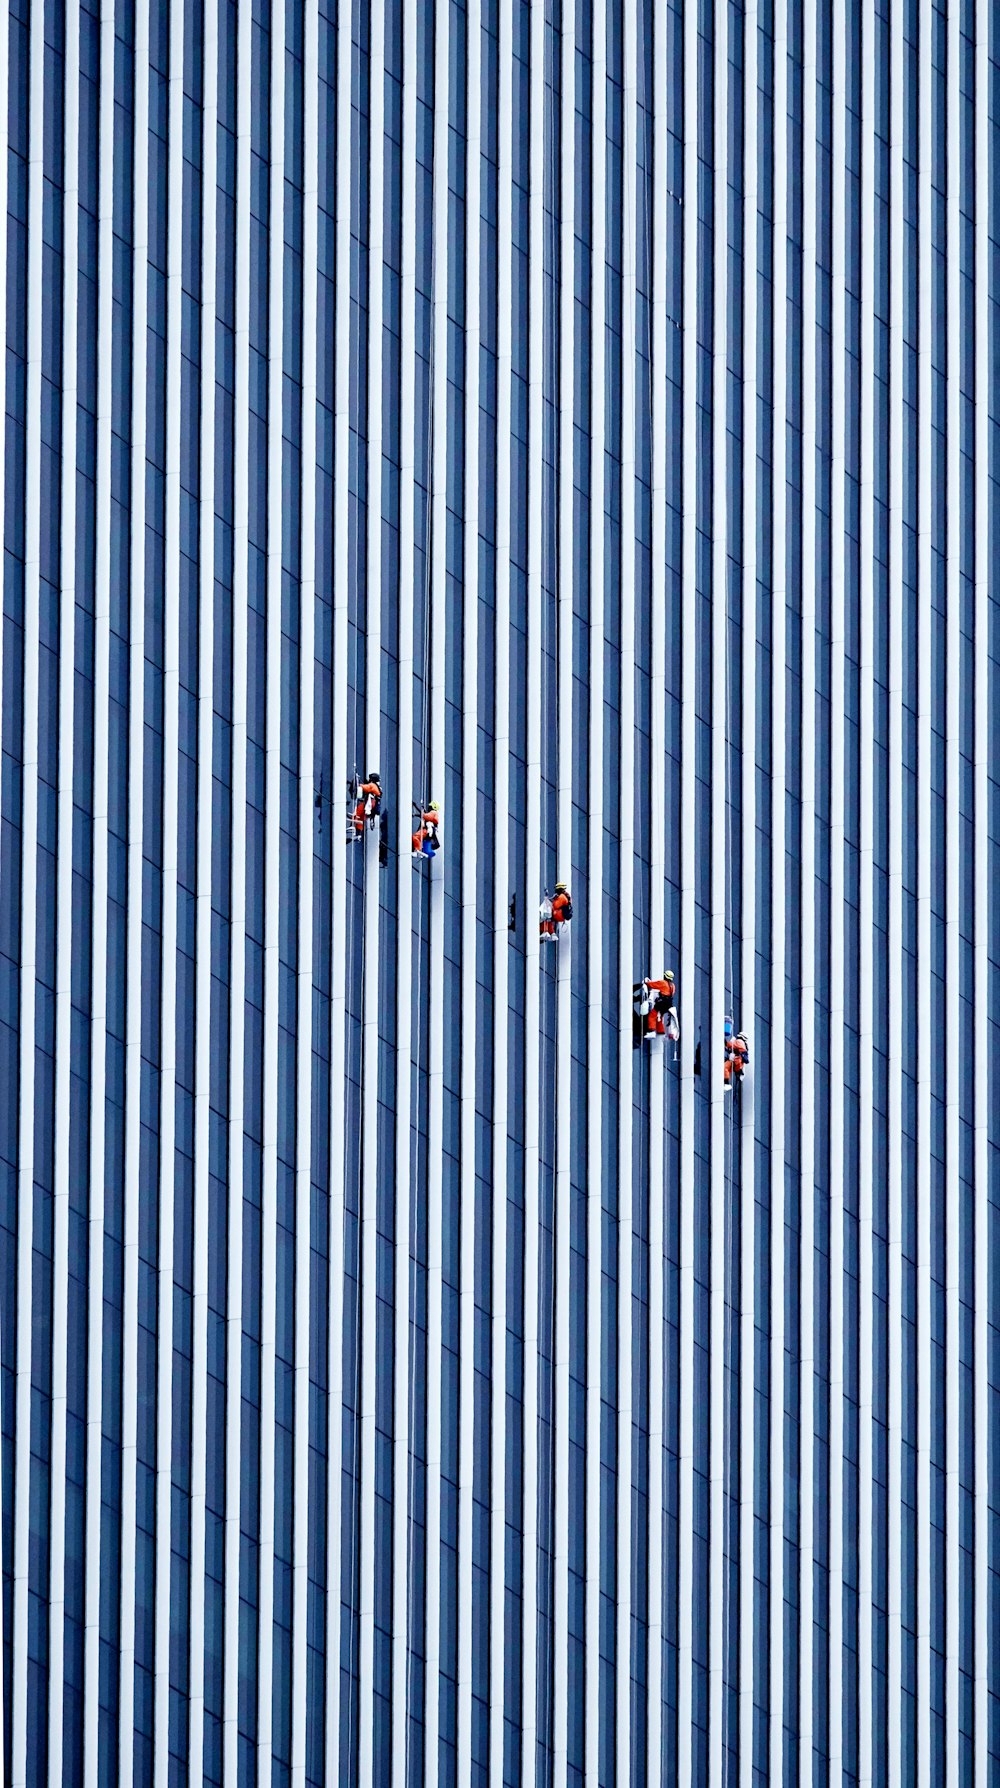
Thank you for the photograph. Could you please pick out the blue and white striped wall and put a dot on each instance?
(584, 415)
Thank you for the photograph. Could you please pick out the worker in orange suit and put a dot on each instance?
(368, 801)
(426, 838)
(737, 1057)
(654, 1001)
(553, 912)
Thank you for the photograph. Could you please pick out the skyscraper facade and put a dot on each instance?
(584, 417)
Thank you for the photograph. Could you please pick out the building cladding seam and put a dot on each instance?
(581, 416)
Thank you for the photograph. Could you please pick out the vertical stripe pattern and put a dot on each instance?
(416, 1366)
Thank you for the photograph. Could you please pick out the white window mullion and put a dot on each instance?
(957, 1066)
(595, 916)
(807, 917)
(29, 917)
(410, 995)
(897, 822)
(272, 898)
(341, 766)
(689, 538)
(436, 620)
(469, 832)
(866, 912)
(238, 912)
(925, 498)
(533, 1062)
(307, 877)
(204, 1042)
(499, 1662)
(981, 1706)
(655, 102)
(564, 863)
(721, 873)
(367, 1292)
(64, 896)
(134, 1002)
(838, 769)
(779, 781)
(169, 885)
(627, 969)
(749, 1464)
(99, 963)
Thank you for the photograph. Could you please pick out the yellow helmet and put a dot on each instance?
(433, 807)
(560, 887)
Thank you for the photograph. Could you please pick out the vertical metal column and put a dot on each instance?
(272, 903)
(300, 1709)
(807, 1077)
(469, 830)
(721, 881)
(238, 915)
(435, 1151)
(958, 1067)
(64, 896)
(595, 1739)
(499, 1663)
(838, 779)
(368, 1326)
(689, 535)
(867, 997)
(532, 1003)
(657, 297)
(626, 915)
(749, 1464)
(340, 746)
(563, 183)
(29, 914)
(204, 1040)
(409, 1017)
(983, 1238)
(99, 960)
(170, 897)
(925, 499)
(897, 821)
(779, 783)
